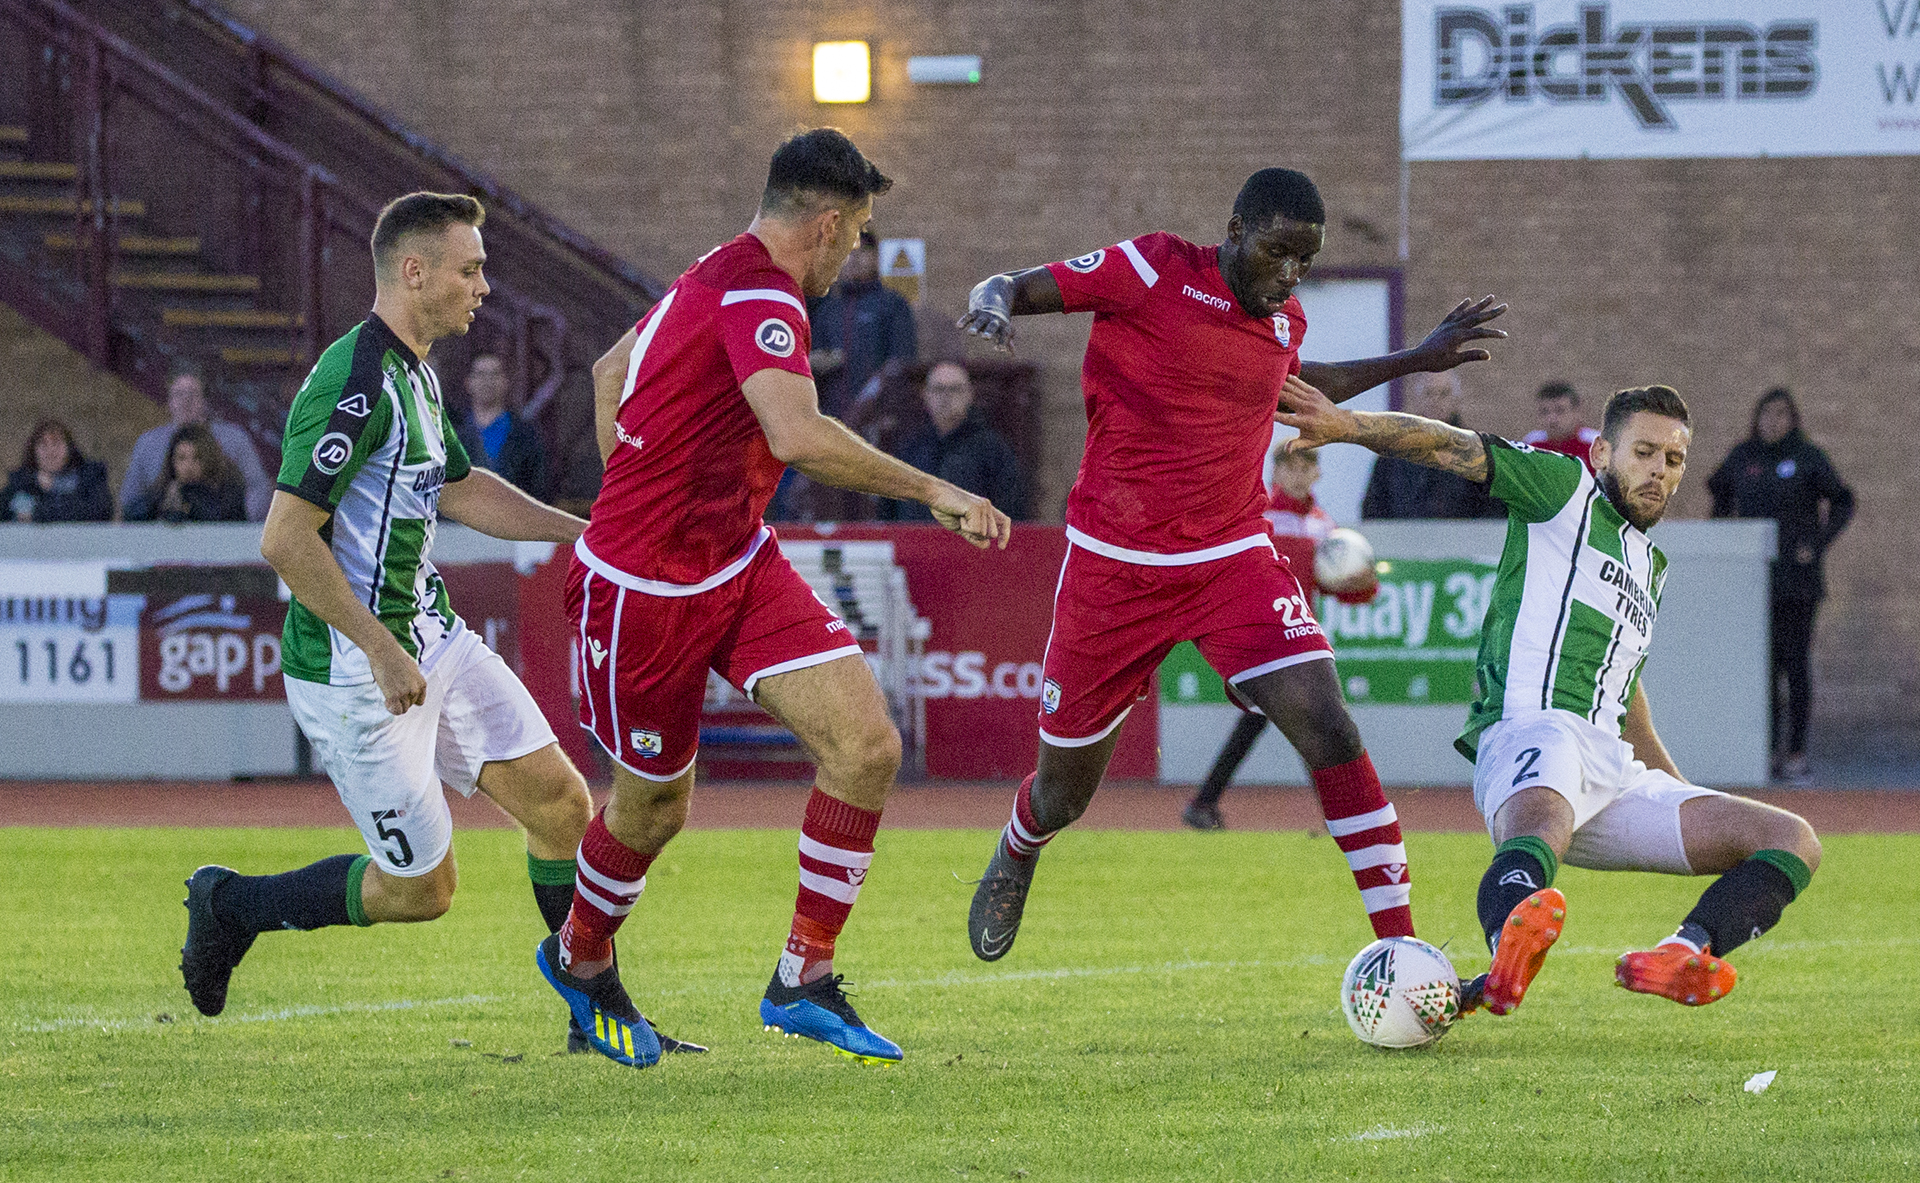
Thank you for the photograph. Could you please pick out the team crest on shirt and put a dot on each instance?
(775, 336)
(1283, 330)
(1086, 263)
(331, 453)
(1050, 696)
(646, 744)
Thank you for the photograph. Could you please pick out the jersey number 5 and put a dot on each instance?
(380, 819)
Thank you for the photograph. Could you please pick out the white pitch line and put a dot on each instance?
(1382, 1133)
(291, 1012)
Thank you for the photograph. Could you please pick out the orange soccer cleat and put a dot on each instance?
(1531, 929)
(1675, 971)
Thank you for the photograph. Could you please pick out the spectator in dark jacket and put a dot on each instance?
(54, 482)
(858, 327)
(200, 483)
(1776, 472)
(496, 438)
(958, 446)
(1403, 489)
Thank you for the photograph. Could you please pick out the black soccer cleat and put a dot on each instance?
(212, 949)
(578, 1043)
(1473, 995)
(1201, 815)
(998, 903)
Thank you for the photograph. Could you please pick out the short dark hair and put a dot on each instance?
(1778, 394)
(421, 213)
(1279, 193)
(1625, 404)
(816, 165)
(1559, 390)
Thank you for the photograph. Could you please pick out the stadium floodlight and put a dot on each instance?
(842, 72)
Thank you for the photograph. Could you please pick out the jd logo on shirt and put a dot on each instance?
(1086, 263)
(330, 454)
(773, 336)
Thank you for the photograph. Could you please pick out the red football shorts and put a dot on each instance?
(644, 657)
(1114, 623)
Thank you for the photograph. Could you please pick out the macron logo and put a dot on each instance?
(1205, 297)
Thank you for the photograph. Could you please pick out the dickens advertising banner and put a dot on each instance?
(1629, 78)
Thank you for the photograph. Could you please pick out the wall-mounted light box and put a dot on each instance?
(951, 69)
(842, 72)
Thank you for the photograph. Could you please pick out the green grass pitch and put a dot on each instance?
(1168, 1013)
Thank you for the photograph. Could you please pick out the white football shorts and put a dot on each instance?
(388, 768)
(1626, 816)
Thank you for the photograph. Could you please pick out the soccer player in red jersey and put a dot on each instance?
(701, 406)
(1182, 377)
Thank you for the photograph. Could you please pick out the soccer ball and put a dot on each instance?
(1400, 992)
(1343, 562)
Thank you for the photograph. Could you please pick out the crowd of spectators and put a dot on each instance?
(197, 468)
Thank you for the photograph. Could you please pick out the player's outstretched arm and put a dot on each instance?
(290, 542)
(822, 448)
(609, 383)
(1390, 433)
(1637, 729)
(486, 502)
(996, 300)
(1443, 349)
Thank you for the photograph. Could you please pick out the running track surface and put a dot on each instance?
(953, 805)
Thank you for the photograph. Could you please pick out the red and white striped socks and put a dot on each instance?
(610, 877)
(1366, 828)
(1024, 838)
(836, 848)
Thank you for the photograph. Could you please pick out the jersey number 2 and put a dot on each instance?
(1526, 759)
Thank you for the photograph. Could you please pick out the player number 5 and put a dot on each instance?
(380, 819)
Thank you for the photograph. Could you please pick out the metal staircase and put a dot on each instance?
(175, 188)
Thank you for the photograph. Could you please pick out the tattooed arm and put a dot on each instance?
(1390, 433)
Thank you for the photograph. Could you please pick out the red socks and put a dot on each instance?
(836, 847)
(610, 877)
(1367, 830)
(1024, 838)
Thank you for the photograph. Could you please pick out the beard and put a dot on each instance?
(1610, 485)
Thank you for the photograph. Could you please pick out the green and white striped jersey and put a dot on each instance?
(1573, 605)
(369, 439)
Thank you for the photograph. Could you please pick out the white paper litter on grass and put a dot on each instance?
(1759, 1081)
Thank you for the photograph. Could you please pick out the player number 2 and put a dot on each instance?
(380, 819)
(1526, 759)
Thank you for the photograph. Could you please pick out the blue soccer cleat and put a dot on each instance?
(820, 1010)
(613, 1026)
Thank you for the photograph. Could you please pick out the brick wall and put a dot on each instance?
(648, 126)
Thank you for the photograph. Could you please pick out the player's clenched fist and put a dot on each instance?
(972, 518)
(399, 678)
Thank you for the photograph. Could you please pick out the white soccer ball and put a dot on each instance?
(1343, 561)
(1400, 992)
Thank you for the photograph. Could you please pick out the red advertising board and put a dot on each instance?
(207, 645)
(990, 612)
